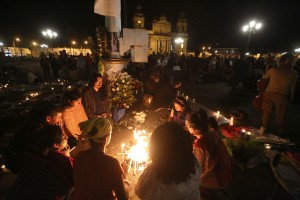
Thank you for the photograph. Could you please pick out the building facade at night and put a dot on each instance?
(161, 38)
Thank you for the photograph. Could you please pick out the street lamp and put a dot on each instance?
(73, 44)
(14, 44)
(252, 27)
(50, 35)
(179, 41)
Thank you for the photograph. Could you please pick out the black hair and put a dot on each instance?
(182, 102)
(72, 95)
(171, 152)
(213, 123)
(199, 121)
(94, 79)
(47, 137)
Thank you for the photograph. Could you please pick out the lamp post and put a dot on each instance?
(50, 35)
(33, 46)
(14, 44)
(252, 27)
(73, 44)
(85, 43)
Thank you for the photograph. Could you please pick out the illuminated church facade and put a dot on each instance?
(161, 38)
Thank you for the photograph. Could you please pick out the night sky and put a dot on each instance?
(214, 23)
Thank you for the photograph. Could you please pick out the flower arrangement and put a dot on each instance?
(123, 90)
(242, 149)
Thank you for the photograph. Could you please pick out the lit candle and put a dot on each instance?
(267, 146)
(231, 121)
(178, 93)
(186, 97)
(243, 131)
(218, 113)
(248, 135)
(123, 152)
(134, 170)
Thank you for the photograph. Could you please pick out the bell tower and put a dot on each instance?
(138, 18)
(182, 23)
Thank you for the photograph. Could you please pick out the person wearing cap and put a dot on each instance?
(97, 175)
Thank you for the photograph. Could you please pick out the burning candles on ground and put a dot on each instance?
(137, 154)
(267, 146)
(231, 121)
(248, 135)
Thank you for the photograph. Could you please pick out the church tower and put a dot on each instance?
(182, 23)
(138, 18)
(181, 36)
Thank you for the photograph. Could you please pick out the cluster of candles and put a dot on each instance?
(137, 155)
(246, 134)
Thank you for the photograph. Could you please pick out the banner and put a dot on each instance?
(108, 7)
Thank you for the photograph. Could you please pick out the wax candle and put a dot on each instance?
(218, 113)
(231, 121)
(123, 152)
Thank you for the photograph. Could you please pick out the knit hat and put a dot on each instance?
(95, 129)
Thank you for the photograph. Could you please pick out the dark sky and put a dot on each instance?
(211, 22)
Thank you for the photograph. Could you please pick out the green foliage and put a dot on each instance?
(243, 150)
(123, 90)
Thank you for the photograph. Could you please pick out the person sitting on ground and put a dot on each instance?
(73, 114)
(97, 175)
(180, 111)
(49, 174)
(151, 83)
(20, 147)
(211, 154)
(95, 98)
(214, 126)
(174, 172)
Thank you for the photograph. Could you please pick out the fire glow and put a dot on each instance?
(138, 153)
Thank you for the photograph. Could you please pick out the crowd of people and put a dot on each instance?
(59, 153)
(66, 66)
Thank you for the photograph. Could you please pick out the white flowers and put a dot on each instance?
(123, 88)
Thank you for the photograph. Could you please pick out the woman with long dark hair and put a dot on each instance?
(174, 172)
(95, 98)
(211, 153)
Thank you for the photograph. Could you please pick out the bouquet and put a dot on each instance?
(123, 90)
